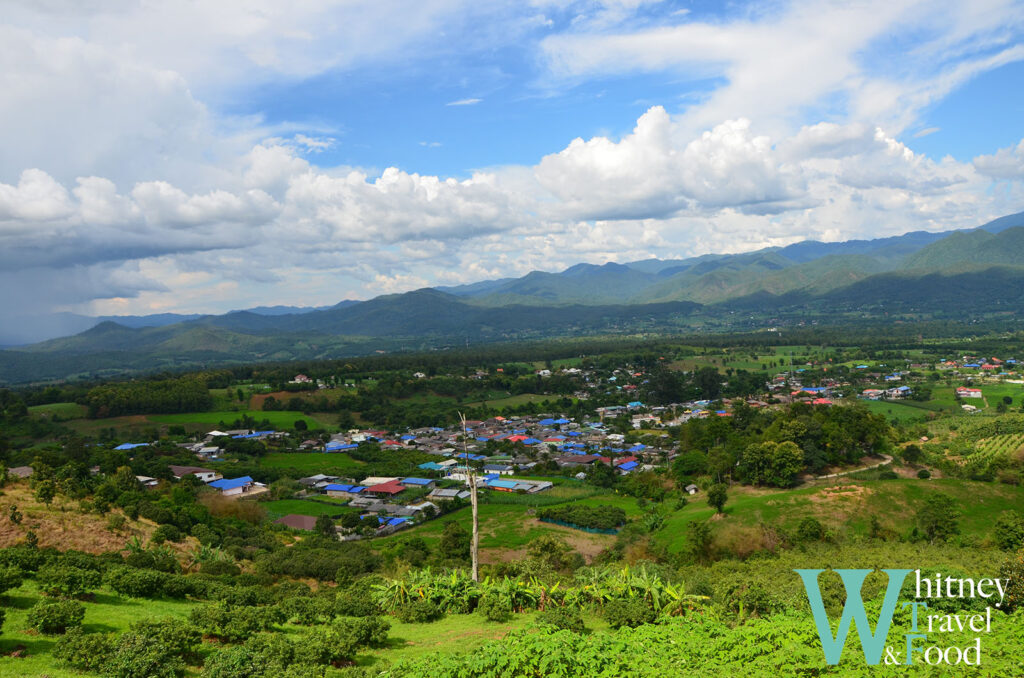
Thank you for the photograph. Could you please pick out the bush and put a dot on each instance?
(567, 618)
(55, 616)
(924, 474)
(356, 601)
(166, 533)
(593, 517)
(10, 578)
(234, 662)
(419, 611)
(116, 522)
(231, 623)
(179, 638)
(84, 651)
(138, 654)
(129, 581)
(368, 631)
(810, 529)
(70, 582)
(887, 475)
(270, 655)
(325, 645)
(629, 612)
(495, 608)
(307, 610)
(220, 568)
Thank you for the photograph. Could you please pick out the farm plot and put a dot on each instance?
(998, 446)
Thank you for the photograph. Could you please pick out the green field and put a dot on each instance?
(892, 409)
(514, 401)
(62, 410)
(107, 613)
(281, 420)
(333, 463)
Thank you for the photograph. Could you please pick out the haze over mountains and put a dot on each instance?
(940, 274)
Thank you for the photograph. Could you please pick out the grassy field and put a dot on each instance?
(62, 410)
(514, 401)
(107, 613)
(281, 420)
(892, 409)
(333, 463)
(845, 507)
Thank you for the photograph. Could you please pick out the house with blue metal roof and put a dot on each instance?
(417, 482)
(130, 446)
(233, 486)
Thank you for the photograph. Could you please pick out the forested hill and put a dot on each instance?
(960, 276)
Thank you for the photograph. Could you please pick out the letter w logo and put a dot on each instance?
(853, 611)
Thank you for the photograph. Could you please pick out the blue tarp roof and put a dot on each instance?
(546, 422)
(562, 421)
(482, 439)
(504, 484)
(628, 466)
(638, 447)
(431, 466)
(575, 433)
(416, 481)
(397, 521)
(338, 488)
(530, 441)
(408, 437)
(635, 403)
(231, 483)
(130, 446)
(333, 447)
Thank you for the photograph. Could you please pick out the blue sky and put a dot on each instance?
(212, 156)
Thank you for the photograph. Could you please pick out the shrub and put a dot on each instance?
(567, 618)
(116, 522)
(495, 608)
(84, 651)
(179, 638)
(220, 567)
(307, 610)
(325, 645)
(137, 654)
(887, 475)
(628, 612)
(24, 558)
(368, 631)
(924, 474)
(55, 616)
(419, 611)
(10, 578)
(269, 655)
(166, 533)
(70, 582)
(810, 529)
(135, 583)
(234, 623)
(234, 662)
(356, 601)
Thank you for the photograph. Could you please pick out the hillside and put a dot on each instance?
(932, 274)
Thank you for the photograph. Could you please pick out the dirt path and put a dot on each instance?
(887, 460)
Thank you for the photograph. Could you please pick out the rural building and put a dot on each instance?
(344, 491)
(965, 392)
(204, 474)
(233, 487)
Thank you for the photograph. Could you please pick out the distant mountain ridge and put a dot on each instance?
(941, 274)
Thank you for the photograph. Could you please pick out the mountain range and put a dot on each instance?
(943, 275)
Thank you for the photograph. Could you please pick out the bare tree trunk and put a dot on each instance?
(474, 547)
